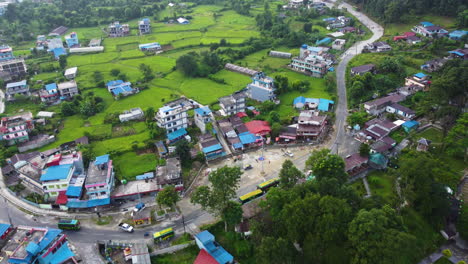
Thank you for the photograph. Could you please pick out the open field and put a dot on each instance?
(140, 164)
(410, 21)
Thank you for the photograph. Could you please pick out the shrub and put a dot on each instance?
(447, 253)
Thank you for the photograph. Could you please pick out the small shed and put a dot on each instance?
(142, 218)
(410, 125)
(423, 144)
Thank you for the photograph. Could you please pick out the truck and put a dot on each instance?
(126, 227)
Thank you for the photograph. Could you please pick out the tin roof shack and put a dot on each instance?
(169, 174)
(355, 164)
(142, 218)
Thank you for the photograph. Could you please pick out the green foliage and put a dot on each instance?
(289, 175)
(364, 150)
(357, 118)
(183, 151)
(115, 72)
(68, 109)
(463, 222)
(457, 139)
(199, 65)
(447, 253)
(168, 196)
(147, 72)
(63, 61)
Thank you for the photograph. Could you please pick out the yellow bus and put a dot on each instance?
(163, 235)
(250, 196)
(264, 186)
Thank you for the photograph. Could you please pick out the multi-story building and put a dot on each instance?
(233, 104)
(100, 178)
(144, 26)
(310, 125)
(202, 117)
(70, 73)
(72, 40)
(35, 245)
(12, 89)
(262, 88)
(312, 61)
(173, 116)
(118, 30)
(50, 93)
(169, 174)
(6, 53)
(68, 89)
(13, 67)
(15, 129)
(427, 29)
(55, 179)
(420, 80)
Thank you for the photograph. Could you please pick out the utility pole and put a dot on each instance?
(337, 146)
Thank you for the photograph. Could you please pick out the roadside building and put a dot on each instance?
(132, 114)
(203, 117)
(378, 106)
(55, 179)
(258, 127)
(16, 88)
(233, 104)
(169, 174)
(144, 26)
(173, 115)
(376, 129)
(355, 164)
(206, 241)
(118, 30)
(67, 89)
(380, 46)
(310, 125)
(262, 88)
(211, 147)
(360, 70)
(70, 73)
(338, 44)
(100, 179)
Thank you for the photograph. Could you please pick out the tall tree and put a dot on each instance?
(289, 175)
(168, 196)
(63, 61)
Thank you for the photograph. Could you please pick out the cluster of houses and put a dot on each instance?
(437, 63)
(26, 244)
(313, 61)
(296, 4)
(337, 22)
(54, 43)
(429, 30)
(11, 68)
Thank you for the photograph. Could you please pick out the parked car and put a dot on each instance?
(289, 153)
(126, 227)
(248, 167)
(139, 207)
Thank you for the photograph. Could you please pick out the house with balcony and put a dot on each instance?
(203, 117)
(173, 115)
(310, 125)
(100, 179)
(313, 61)
(36, 245)
(20, 88)
(6, 53)
(68, 89)
(15, 129)
(233, 104)
(262, 88)
(144, 26)
(72, 40)
(55, 179)
(380, 46)
(13, 68)
(121, 88)
(427, 29)
(118, 30)
(50, 93)
(419, 79)
(132, 114)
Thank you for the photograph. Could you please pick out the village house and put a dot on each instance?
(26, 168)
(355, 164)
(360, 70)
(144, 26)
(68, 89)
(70, 73)
(118, 30)
(429, 30)
(434, 65)
(211, 147)
(409, 90)
(25, 244)
(310, 125)
(86, 50)
(210, 250)
(55, 179)
(233, 104)
(404, 36)
(132, 114)
(339, 22)
(377, 47)
(203, 117)
(378, 106)
(423, 144)
(173, 115)
(183, 21)
(348, 30)
(413, 40)
(338, 44)
(457, 34)
(41, 42)
(149, 47)
(293, 4)
(58, 31)
(94, 43)
(401, 111)
(419, 79)
(262, 88)
(457, 54)
(13, 67)
(50, 93)
(55, 46)
(383, 145)
(121, 88)
(170, 173)
(410, 126)
(376, 129)
(312, 61)
(15, 129)
(280, 54)
(6, 53)
(16, 88)
(72, 40)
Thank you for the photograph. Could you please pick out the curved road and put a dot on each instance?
(87, 235)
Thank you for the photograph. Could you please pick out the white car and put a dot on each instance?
(289, 153)
(126, 227)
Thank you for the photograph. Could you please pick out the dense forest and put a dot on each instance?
(398, 10)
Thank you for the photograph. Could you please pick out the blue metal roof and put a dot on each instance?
(426, 24)
(212, 148)
(61, 255)
(205, 237)
(148, 175)
(247, 138)
(15, 84)
(32, 248)
(216, 251)
(457, 53)
(237, 145)
(74, 191)
(420, 75)
(176, 134)
(203, 111)
(149, 45)
(88, 203)
(59, 172)
(4, 228)
(299, 100)
(410, 124)
(324, 104)
(101, 159)
(114, 83)
(458, 33)
(49, 236)
(323, 41)
(59, 52)
(51, 86)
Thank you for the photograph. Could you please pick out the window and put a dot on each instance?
(64, 185)
(53, 193)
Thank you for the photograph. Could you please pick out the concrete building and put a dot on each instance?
(50, 93)
(203, 117)
(72, 40)
(169, 174)
(144, 26)
(70, 73)
(13, 67)
(419, 79)
(262, 88)
(313, 61)
(20, 88)
(118, 30)
(15, 129)
(377, 47)
(233, 104)
(338, 44)
(100, 178)
(68, 89)
(6, 53)
(55, 179)
(132, 114)
(173, 115)
(310, 125)
(427, 29)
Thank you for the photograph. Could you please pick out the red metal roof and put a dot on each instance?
(205, 258)
(258, 127)
(61, 198)
(241, 114)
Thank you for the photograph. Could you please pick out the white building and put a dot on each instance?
(55, 179)
(70, 73)
(233, 104)
(173, 116)
(202, 117)
(68, 89)
(262, 88)
(132, 114)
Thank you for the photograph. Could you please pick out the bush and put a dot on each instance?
(447, 253)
